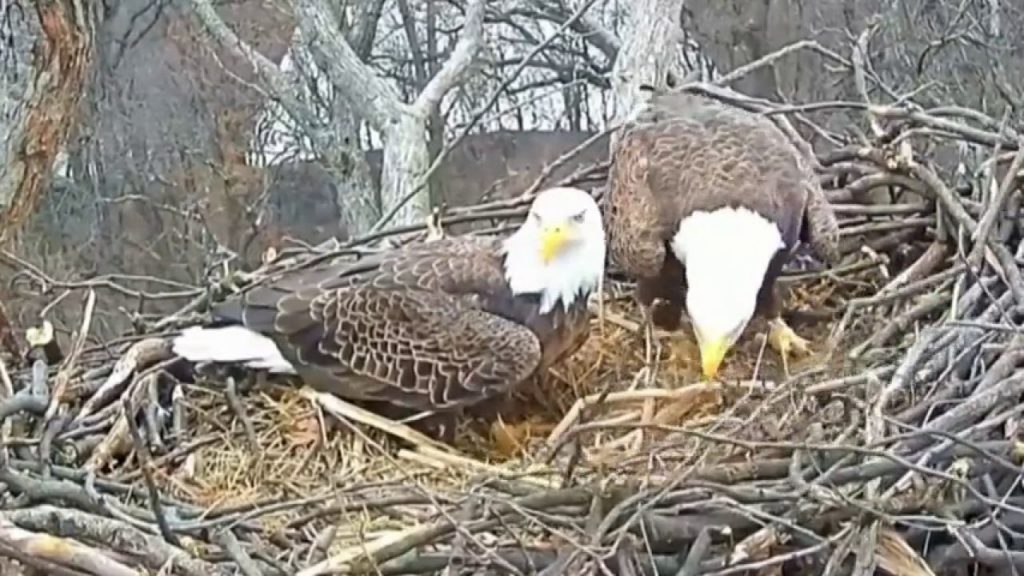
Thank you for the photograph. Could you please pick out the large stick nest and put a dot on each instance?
(894, 448)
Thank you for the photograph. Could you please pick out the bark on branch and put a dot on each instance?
(271, 79)
(454, 70)
(151, 551)
(649, 53)
(403, 126)
(61, 551)
(369, 96)
(588, 27)
(40, 127)
(330, 140)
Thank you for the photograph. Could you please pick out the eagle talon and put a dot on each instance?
(785, 341)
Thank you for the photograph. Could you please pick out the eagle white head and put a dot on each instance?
(726, 254)
(559, 251)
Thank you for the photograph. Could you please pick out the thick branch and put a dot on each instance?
(60, 551)
(40, 127)
(342, 159)
(363, 32)
(271, 78)
(461, 60)
(150, 550)
(649, 55)
(370, 96)
(586, 26)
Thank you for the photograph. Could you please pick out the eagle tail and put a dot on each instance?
(231, 344)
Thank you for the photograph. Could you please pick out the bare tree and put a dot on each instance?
(650, 51)
(40, 101)
(370, 97)
(356, 195)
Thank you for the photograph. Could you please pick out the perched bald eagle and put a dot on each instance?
(705, 204)
(428, 327)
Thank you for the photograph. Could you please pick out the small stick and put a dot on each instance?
(179, 413)
(233, 548)
(145, 464)
(342, 409)
(897, 325)
(921, 268)
(64, 375)
(995, 206)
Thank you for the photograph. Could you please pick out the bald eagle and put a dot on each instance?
(705, 204)
(428, 327)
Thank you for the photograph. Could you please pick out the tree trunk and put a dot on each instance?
(40, 103)
(370, 97)
(337, 148)
(406, 160)
(650, 53)
(357, 198)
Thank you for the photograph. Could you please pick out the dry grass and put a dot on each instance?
(304, 453)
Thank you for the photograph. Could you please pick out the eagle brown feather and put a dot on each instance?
(687, 153)
(428, 327)
(431, 326)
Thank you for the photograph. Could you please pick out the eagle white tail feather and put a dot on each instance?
(231, 344)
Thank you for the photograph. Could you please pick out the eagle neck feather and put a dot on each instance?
(728, 236)
(567, 280)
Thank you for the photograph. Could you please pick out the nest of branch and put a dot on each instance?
(893, 448)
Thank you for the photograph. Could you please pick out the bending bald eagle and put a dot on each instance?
(428, 327)
(706, 203)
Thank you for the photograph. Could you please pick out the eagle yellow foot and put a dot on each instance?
(785, 341)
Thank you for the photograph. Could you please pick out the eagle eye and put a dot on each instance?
(578, 218)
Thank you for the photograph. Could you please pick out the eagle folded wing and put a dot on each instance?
(412, 347)
(820, 224)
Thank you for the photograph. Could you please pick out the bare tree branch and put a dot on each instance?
(363, 31)
(453, 71)
(270, 76)
(418, 61)
(478, 115)
(587, 26)
(649, 54)
(370, 96)
(404, 126)
(341, 159)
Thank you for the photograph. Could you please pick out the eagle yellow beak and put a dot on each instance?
(552, 239)
(711, 355)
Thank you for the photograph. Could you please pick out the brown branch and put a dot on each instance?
(60, 551)
(153, 552)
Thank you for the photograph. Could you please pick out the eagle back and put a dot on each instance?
(704, 155)
(430, 325)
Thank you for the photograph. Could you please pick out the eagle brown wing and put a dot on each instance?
(412, 327)
(686, 152)
(821, 228)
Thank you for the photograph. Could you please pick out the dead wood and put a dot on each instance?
(897, 446)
